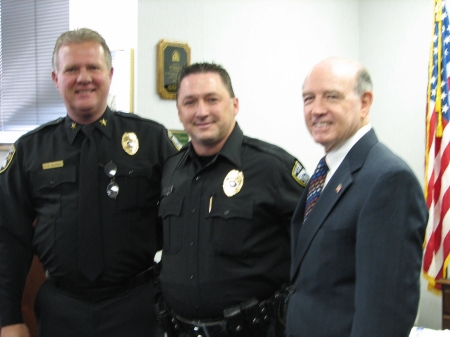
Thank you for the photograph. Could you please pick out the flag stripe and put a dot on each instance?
(437, 153)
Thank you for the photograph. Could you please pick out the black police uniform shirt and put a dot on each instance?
(220, 250)
(39, 180)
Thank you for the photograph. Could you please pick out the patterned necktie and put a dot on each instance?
(90, 261)
(315, 186)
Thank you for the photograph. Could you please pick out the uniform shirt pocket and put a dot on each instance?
(231, 225)
(54, 191)
(136, 188)
(170, 212)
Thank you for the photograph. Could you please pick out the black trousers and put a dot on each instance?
(130, 314)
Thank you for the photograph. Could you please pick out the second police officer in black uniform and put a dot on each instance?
(227, 200)
(94, 195)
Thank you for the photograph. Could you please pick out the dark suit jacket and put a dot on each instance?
(356, 260)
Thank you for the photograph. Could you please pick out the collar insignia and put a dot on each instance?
(103, 121)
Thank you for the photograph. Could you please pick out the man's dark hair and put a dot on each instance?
(79, 36)
(205, 67)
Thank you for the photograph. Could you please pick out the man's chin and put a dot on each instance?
(85, 113)
(205, 140)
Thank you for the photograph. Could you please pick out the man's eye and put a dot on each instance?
(307, 99)
(188, 103)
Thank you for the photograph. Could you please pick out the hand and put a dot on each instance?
(15, 330)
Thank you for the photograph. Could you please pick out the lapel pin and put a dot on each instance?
(338, 188)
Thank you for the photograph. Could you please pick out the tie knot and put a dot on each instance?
(87, 130)
(322, 166)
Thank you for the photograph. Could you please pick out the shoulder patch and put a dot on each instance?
(8, 159)
(174, 140)
(299, 174)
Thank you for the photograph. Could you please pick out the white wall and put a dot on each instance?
(395, 37)
(268, 46)
(115, 20)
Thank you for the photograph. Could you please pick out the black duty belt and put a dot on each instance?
(248, 319)
(95, 295)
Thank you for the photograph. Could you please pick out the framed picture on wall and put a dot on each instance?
(172, 56)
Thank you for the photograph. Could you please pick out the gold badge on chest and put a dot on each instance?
(130, 143)
(233, 183)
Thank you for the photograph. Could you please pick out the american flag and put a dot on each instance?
(437, 153)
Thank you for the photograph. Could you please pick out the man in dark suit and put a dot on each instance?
(357, 241)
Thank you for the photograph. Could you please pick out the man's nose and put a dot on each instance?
(84, 76)
(318, 107)
(202, 109)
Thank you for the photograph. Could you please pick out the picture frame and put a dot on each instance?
(179, 138)
(172, 57)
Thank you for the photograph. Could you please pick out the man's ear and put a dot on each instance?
(236, 106)
(366, 103)
(111, 73)
(55, 79)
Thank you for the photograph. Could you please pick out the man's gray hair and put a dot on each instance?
(363, 82)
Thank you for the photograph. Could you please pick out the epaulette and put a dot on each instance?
(298, 171)
(127, 114)
(133, 116)
(43, 126)
(270, 149)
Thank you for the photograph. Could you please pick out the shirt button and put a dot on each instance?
(52, 182)
(192, 277)
(193, 210)
(197, 178)
(192, 243)
(226, 212)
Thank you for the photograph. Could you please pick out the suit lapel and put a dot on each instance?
(304, 233)
(328, 198)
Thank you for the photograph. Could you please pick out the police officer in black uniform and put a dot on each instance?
(96, 238)
(226, 205)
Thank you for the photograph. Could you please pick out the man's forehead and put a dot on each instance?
(327, 80)
(210, 77)
(204, 83)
